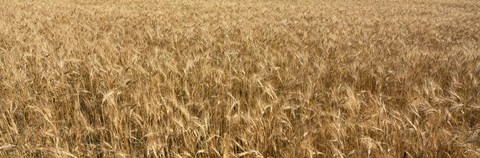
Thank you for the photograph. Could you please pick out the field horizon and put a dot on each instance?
(227, 78)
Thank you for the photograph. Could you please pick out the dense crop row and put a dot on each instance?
(265, 78)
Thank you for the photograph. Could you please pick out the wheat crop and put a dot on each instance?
(240, 78)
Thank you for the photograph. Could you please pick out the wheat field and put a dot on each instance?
(240, 78)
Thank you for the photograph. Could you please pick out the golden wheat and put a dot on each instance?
(227, 78)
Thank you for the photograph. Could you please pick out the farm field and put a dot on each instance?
(240, 78)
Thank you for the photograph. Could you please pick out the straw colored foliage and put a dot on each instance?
(239, 78)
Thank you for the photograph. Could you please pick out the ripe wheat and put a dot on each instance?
(235, 78)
